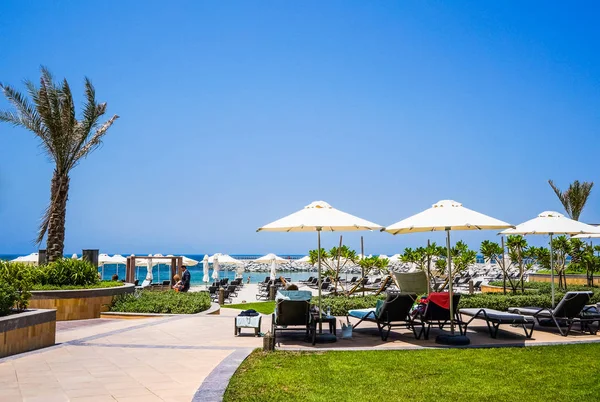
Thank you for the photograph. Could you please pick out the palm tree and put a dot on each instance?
(574, 198)
(50, 115)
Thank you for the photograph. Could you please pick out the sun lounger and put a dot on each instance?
(393, 312)
(494, 318)
(437, 312)
(566, 313)
(292, 310)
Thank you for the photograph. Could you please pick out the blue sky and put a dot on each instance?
(234, 114)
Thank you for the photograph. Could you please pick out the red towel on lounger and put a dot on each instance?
(442, 299)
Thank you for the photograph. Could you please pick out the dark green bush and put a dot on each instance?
(502, 302)
(168, 302)
(19, 277)
(102, 284)
(8, 298)
(67, 271)
(341, 304)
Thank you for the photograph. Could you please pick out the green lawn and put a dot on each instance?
(267, 307)
(545, 373)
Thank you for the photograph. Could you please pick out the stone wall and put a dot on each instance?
(77, 304)
(29, 330)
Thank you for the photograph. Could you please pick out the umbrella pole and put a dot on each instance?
(102, 271)
(552, 269)
(362, 269)
(319, 268)
(450, 282)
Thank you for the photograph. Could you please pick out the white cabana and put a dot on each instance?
(205, 277)
(551, 223)
(215, 263)
(319, 216)
(446, 215)
(31, 259)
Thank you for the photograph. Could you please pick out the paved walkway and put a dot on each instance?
(157, 359)
(184, 358)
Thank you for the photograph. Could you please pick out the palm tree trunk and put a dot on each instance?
(59, 193)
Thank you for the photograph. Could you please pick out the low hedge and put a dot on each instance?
(167, 302)
(99, 285)
(341, 304)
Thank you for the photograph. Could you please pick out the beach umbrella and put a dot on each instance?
(215, 262)
(103, 259)
(383, 256)
(317, 217)
(225, 259)
(74, 257)
(31, 259)
(551, 223)
(395, 258)
(267, 259)
(446, 215)
(205, 278)
(240, 270)
(304, 260)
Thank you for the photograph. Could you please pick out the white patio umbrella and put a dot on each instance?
(225, 259)
(103, 259)
(395, 258)
(188, 262)
(304, 260)
(319, 216)
(215, 262)
(31, 259)
(74, 257)
(273, 260)
(551, 223)
(446, 215)
(205, 278)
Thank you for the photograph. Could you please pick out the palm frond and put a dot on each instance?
(562, 197)
(95, 141)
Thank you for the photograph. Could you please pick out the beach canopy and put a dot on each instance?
(446, 215)
(118, 259)
(319, 216)
(205, 277)
(31, 259)
(551, 223)
(316, 217)
(587, 236)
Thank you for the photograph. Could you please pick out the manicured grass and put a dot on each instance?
(102, 284)
(167, 302)
(545, 373)
(267, 307)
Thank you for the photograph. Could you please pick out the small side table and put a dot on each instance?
(316, 319)
(245, 321)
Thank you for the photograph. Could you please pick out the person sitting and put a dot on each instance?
(178, 283)
(115, 277)
(291, 286)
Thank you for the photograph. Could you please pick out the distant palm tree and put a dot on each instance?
(574, 198)
(51, 117)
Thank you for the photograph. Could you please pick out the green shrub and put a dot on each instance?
(102, 284)
(341, 304)
(19, 277)
(67, 271)
(8, 298)
(498, 301)
(168, 302)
